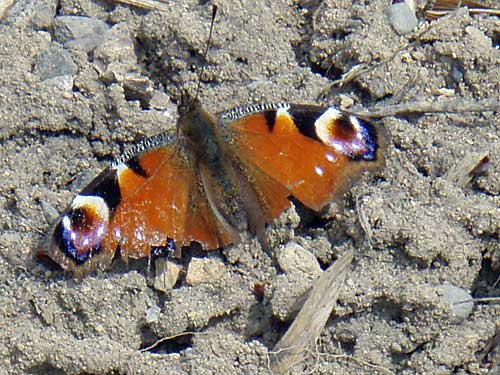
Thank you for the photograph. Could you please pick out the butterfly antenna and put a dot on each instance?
(215, 6)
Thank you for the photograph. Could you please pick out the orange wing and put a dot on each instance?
(313, 153)
(161, 200)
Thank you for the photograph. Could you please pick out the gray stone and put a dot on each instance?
(455, 297)
(79, 32)
(49, 212)
(294, 260)
(37, 14)
(115, 57)
(54, 62)
(137, 87)
(290, 289)
(153, 313)
(160, 100)
(43, 15)
(402, 17)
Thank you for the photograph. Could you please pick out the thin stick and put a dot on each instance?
(5, 6)
(481, 299)
(163, 339)
(452, 106)
(145, 4)
(443, 7)
(357, 360)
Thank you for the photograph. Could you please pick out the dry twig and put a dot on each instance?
(145, 4)
(163, 339)
(466, 169)
(440, 8)
(311, 318)
(452, 106)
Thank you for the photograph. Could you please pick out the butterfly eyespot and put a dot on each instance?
(83, 219)
(79, 233)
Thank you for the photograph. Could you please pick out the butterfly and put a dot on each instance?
(215, 176)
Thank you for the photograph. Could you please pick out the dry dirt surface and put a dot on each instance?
(70, 101)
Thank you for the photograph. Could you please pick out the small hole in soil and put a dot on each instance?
(168, 346)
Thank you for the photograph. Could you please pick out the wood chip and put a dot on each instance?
(167, 274)
(312, 317)
(471, 165)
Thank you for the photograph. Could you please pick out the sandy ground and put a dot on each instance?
(422, 229)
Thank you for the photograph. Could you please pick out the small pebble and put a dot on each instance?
(202, 270)
(49, 212)
(402, 17)
(167, 274)
(43, 15)
(136, 87)
(160, 100)
(115, 56)
(152, 314)
(454, 297)
(296, 261)
(346, 101)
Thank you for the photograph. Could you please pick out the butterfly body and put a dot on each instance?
(217, 176)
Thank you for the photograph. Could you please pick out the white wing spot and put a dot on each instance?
(324, 123)
(355, 123)
(120, 168)
(282, 112)
(66, 222)
(330, 157)
(318, 170)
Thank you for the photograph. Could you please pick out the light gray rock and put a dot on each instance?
(294, 260)
(54, 62)
(115, 57)
(402, 17)
(290, 289)
(44, 13)
(160, 100)
(153, 313)
(37, 14)
(84, 33)
(454, 297)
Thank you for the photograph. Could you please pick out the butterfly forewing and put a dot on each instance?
(313, 152)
